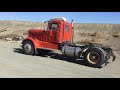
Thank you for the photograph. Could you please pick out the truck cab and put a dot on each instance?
(57, 31)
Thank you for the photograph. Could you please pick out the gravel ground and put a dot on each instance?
(14, 64)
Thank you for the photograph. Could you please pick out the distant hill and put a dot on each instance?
(22, 26)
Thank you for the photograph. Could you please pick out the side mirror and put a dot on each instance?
(45, 27)
(72, 23)
(58, 28)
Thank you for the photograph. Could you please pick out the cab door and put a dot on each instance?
(52, 34)
(67, 33)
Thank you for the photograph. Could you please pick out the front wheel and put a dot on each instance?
(94, 57)
(28, 48)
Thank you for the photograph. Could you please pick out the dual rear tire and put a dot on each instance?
(94, 57)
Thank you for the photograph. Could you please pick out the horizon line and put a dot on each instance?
(67, 21)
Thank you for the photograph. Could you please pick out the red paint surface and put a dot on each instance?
(51, 38)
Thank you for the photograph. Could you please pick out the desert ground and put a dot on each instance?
(15, 64)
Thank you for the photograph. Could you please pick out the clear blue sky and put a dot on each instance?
(79, 17)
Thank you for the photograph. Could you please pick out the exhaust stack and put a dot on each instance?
(72, 31)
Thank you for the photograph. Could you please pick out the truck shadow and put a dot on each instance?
(55, 56)
(18, 50)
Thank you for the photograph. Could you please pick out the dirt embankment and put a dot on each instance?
(109, 38)
(106, 34)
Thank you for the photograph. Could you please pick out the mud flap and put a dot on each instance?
(109, 54)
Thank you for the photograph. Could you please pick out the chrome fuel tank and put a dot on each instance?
(71, 51)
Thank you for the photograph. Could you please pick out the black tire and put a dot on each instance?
(94, 57)
(28, 48)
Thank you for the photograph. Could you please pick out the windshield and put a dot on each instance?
(53, 26)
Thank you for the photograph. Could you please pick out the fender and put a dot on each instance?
(33, 40)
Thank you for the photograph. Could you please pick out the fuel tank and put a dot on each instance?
(71, 51)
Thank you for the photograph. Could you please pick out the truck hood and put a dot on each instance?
(35, 31)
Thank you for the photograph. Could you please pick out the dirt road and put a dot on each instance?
(14, 64)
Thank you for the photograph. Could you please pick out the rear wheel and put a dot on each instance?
(94, 57)
(28, 48)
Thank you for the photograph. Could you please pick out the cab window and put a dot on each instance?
(66, 27)
(53, 26)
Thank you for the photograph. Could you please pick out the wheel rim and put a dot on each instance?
(93, 57)
(27, 48)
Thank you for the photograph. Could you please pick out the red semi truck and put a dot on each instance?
(58, 35)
